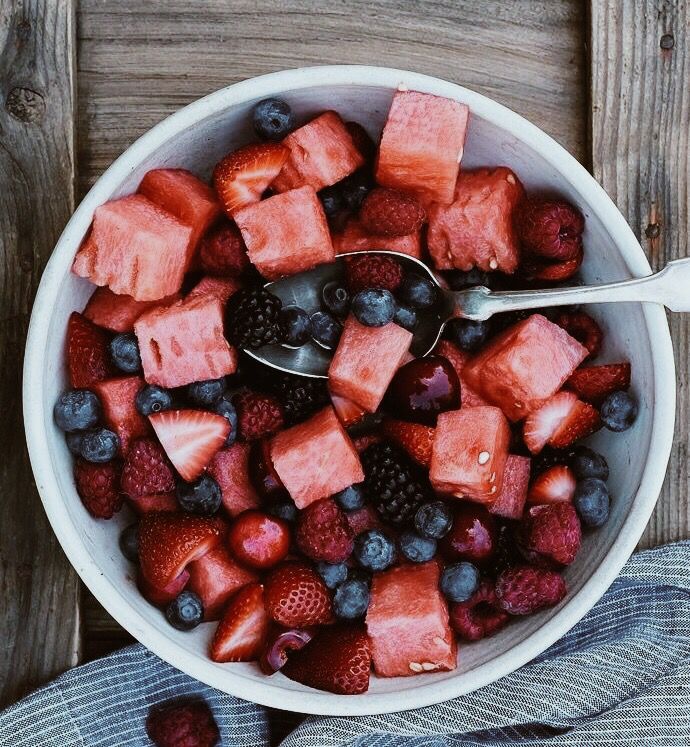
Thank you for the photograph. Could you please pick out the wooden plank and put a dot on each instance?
(40, 592)
(640, 142)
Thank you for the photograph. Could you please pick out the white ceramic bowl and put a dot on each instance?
(196, 137)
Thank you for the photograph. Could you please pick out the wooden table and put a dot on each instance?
(82, 80)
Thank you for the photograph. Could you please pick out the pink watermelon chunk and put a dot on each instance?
(315, 459)
(118, 313)
(220, 288)
(524, 366)
(510, 501)
(230, 469)
(469, 453)
(355, 239)
(322, 152)
(119, 411)
(422, 144)
(185, 196)
(286, 233)
(458, 358)
(407, 622)
(477, 229)
(135, 248)
(366, 360)
(184, 343)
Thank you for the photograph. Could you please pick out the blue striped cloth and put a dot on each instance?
(620, 677)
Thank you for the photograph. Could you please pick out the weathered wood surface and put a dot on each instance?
(39, 611)
(640, 144)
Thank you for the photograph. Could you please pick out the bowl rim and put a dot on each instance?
(266, 691)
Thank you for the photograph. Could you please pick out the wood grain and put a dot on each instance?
(39, 616)
(640, 143)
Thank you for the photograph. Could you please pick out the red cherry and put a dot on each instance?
(473, 536)
(262, 474)
(259, 540)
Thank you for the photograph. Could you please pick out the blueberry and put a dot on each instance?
(406, 317)
(467, 334)
(374, 550)
(152, 399)
(295, 326)
(325, 330)
(459, 280)
(351, 498)
(202, 496)
(124, 350)
(417, 291)
(433, 520)
(129, 542)
(459, 581)
(332, 201)
(416, 548)
(225, 408)
(77, 410)
(588, 463)
(272, 119)
(185, 612)
(333, 574)
(99, 445)
(336, 298)
(74, 442)
(351, 600)
(283, 508)
(618, 411)
(355, 188)
(374, 307)
(206, 393)
(592, 501)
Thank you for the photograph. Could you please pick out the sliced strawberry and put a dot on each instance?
(243, 175)
(88, 359)
(580, 422)
(595, 383)
(555, 485)
(416, 439)
(348, 412)
(243, 628)
(540, 426)
(190, 438)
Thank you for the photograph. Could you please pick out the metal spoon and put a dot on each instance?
(670, 287)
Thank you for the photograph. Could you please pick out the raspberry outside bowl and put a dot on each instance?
(196, 137)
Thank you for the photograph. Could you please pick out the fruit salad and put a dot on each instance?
(396, 511)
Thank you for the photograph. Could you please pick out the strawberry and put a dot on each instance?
(554, 485)
(168, 542)
(552, 272)
(417, 440)
(190, 438)
(88, 358)
(146, 470)
(480, 616)
(182, 725)
(258, 415)
(550, 228)
(243, 628)
(522, 590)
(583, 328)
(222, 251)
(594, 383)
(372, 271)
(98, 486)
(161, 597)
(540, 426)
(580, 422)
(337, 660)
(553, 531)
(348, 412)
(243, 175)
(296, 596)
(388, 212)
(323, 532)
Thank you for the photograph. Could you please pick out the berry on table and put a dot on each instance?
(185, 612)
(206, 393)
(480, 616)
(152, 399)
(77, 410)
(336, 298)
(323, 532)
(146, 470)
(586, 462)
(202, 497)
(417, 291)
(351, 599)
(434, 520)
(189, 724)
(374, 307)
(374, 550)
(405, 317)
(98, 488)
(351, 498)
(592, 502)
(618, 411)
(225, 408)
(258, 414)
(272, 119)
(99, 445)
(295, 326)
(259, 540)
(459, 581)
(372, 271)
(253, 318)
(467, 334)
(388, 212)
(522, 590)
(550, 228)
(325, 329)
(333, 574)
(124, 351)
(416, 548)
(129, 542)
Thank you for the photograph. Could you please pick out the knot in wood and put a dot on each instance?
(24, 30)
(652, 231)
(25, 104)
(667, 41)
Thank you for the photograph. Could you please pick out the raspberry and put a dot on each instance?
(147, 470)
(182, 725)
(323, 532)
(97, 485)
(387, 212)
(522, 590)
(480, 616)
(373, 271)
(553, 531)
(258, 415)
(551, 228)
(296, 596)
(552, 272)
(222, 251)
(583, 328)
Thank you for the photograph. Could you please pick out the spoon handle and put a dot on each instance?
(670, 287)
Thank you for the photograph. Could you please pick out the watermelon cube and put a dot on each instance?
(510, 501)
(469, 453)
(184, 343)
(458, 358)
(315, 459)
(422, 145)
(355, 239)
(366, 360)
(407, 622)
(119, 411)
(524, 366)
(185, 196)
(220, 288)
(322, 152)
(117, 312)
(230, 469)
(135, 248)
(286, 233)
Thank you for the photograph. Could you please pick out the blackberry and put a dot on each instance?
(300, 396)
(393, 483)
(253, 318)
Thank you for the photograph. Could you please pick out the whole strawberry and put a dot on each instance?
(551, 229)
(323, 532)
(88, 358)
(258, 414)
(373, 271)
(522, 590)
(388, 212)
(295, 596)
(98, 486)
(147, 470)
(222, 251)
(553, 531)
(182, 725)
(480, 616)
